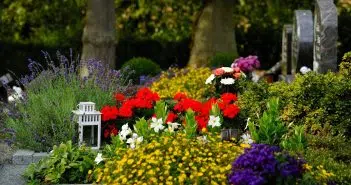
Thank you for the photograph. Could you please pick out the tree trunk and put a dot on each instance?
(99, 34)
(214, 32)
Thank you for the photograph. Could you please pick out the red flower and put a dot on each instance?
(142, 103)
(171, 117)
(180, 96)
(231, 111)
(218, 72)
(126, 110)
(201, 122)
(228, 97)
(147, 94)
(111, 130)
(109, 113)
(119, 97)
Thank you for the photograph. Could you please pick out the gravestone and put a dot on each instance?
(302, 40)
(286, 49)
(325, 36)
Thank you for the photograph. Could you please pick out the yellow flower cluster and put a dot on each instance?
(188, 80)
(319, 173)
(171, 160)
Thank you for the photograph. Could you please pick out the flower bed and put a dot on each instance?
(176, 139)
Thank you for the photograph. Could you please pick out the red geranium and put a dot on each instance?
(111, 130)
(179, 96)
(119, 97)
(228, 98)
(231, 111)
(171, 117)
(109, 113)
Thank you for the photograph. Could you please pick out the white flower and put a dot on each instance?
(134, 140)
(17, 95)
(157, 124)
(98, 158)
(227, 69)
(305, 70)
(247, 139)
(172, 126)
(210, 79)
(124, 132)
(214, 121)
(227, 81)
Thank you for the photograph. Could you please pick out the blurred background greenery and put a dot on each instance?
(159, 30)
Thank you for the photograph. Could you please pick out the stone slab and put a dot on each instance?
(12, 174)
(22, 157)
(38, 156)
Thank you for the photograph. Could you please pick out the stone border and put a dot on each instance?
(25, 157)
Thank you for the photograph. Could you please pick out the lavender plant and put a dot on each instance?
(52, 91)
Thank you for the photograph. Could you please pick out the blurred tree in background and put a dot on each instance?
(160, 30)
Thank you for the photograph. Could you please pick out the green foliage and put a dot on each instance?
(190, 124)
(270, 128)
(334, 153)
(161, 110)
(141, 127)
(345, 65)
(141, 66)
(317, 101)
(295, 142)
(66, 164)
(35, 22)
(159, 20)
(222, 59)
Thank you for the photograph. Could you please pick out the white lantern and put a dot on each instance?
(86, 115)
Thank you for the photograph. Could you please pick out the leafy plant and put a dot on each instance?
(190, 124)
(297, 141)
(270, 128)
(66, 164)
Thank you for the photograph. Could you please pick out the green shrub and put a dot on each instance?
(45, 113)
(66, 164)
(333, 153)
(222, 59)
(141, 67)
(318, 101)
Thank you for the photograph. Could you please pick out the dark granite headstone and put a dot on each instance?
(286, 49)
(302, 40)
(325, 36)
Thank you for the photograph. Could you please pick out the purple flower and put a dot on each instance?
(264, 164)
(247, 64)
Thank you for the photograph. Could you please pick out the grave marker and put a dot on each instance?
(286, 49)
(325, 36)
(302, 40)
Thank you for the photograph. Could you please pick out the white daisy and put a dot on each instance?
(227, 81)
